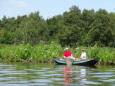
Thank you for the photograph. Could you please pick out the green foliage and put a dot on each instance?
(16, 53)
(43, 52)
(72, 28)
(23, 52)
(47, 52)
(105, 55)
(93, 52)
(37, 53)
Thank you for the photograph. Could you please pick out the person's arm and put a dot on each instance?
(85, 55)
(72, 56)
(81, 56)
(64, 55)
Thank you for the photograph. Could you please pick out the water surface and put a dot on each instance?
(55, 75)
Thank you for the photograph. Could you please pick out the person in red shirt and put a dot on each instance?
(68, 54)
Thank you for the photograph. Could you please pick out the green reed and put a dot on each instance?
(47, 52)
(105, 55)
(29, 53)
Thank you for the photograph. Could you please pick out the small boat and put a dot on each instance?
(87, 62)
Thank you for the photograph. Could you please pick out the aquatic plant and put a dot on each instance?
(46, 52)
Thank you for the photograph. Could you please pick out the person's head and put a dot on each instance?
(66, 49)
(83, 50)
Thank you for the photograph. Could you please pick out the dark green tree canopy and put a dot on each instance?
(73, 28)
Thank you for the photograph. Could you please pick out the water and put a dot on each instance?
(51, 75)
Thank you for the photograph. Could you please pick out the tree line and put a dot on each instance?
(72, 28)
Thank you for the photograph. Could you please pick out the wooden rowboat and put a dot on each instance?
(87, 62)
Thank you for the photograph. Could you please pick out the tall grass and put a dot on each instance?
(13, 53)
(37, 53)
(46, 52)
(105, 55)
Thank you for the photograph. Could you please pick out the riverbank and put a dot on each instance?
(44, 53)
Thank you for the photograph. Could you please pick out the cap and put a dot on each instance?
(66, 48)
(83, 49)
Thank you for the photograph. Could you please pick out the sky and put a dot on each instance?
(49, 8)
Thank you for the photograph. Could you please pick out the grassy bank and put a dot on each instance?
(45, 53)
(37, 53)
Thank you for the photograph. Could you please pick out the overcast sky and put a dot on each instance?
(49, 8)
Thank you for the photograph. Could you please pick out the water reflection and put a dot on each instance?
(49, 75)
(74, 75)
(82, 76)
(67, 75)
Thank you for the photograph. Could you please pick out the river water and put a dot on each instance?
(55, 75)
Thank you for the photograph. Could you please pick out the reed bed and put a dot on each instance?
(44, 53)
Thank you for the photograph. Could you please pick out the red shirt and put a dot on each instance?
(67, 53)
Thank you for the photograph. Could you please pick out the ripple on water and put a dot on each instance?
(42, 80)
(52, 75)
(16, 81)
(91, 82)
(11, 84)
(109, 80)
(57, 79)
(10, 76)
(5, 79)
(101, 73)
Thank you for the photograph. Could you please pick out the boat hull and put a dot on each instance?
(80, 62)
